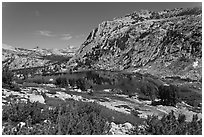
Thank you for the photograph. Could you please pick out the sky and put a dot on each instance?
(62, 24)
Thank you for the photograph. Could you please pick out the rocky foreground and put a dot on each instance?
(117, 102)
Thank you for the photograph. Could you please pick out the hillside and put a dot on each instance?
(20, 58)
(165, 44)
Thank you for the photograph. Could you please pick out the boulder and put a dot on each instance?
(36, 98)
(120, 129)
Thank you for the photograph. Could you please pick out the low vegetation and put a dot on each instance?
(80, 118)
(168, 95)
(70, 118)
(7, 80)
(170, 125)
(61, 82)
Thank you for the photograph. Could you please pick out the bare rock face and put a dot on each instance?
(167, 43)
(120, 129)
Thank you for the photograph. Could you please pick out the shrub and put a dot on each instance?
(75, 117)
(70, 118)
(82, 119)
(15, 87)
(44, 128)
(91, 93)
(72, 82)
(19, 112)
(168, 95)
(16, 112)
(148, 89)
(170, 125)
(81, 84)
(7, 77)
(62, 82)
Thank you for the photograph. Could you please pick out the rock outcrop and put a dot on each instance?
(166, 44)
(120, 129)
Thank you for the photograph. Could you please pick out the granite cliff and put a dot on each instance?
(165, 44)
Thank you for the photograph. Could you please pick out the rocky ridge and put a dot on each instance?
(20, 58)
(165, 44)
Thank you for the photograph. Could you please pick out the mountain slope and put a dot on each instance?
(20, 58)
(165, 44)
